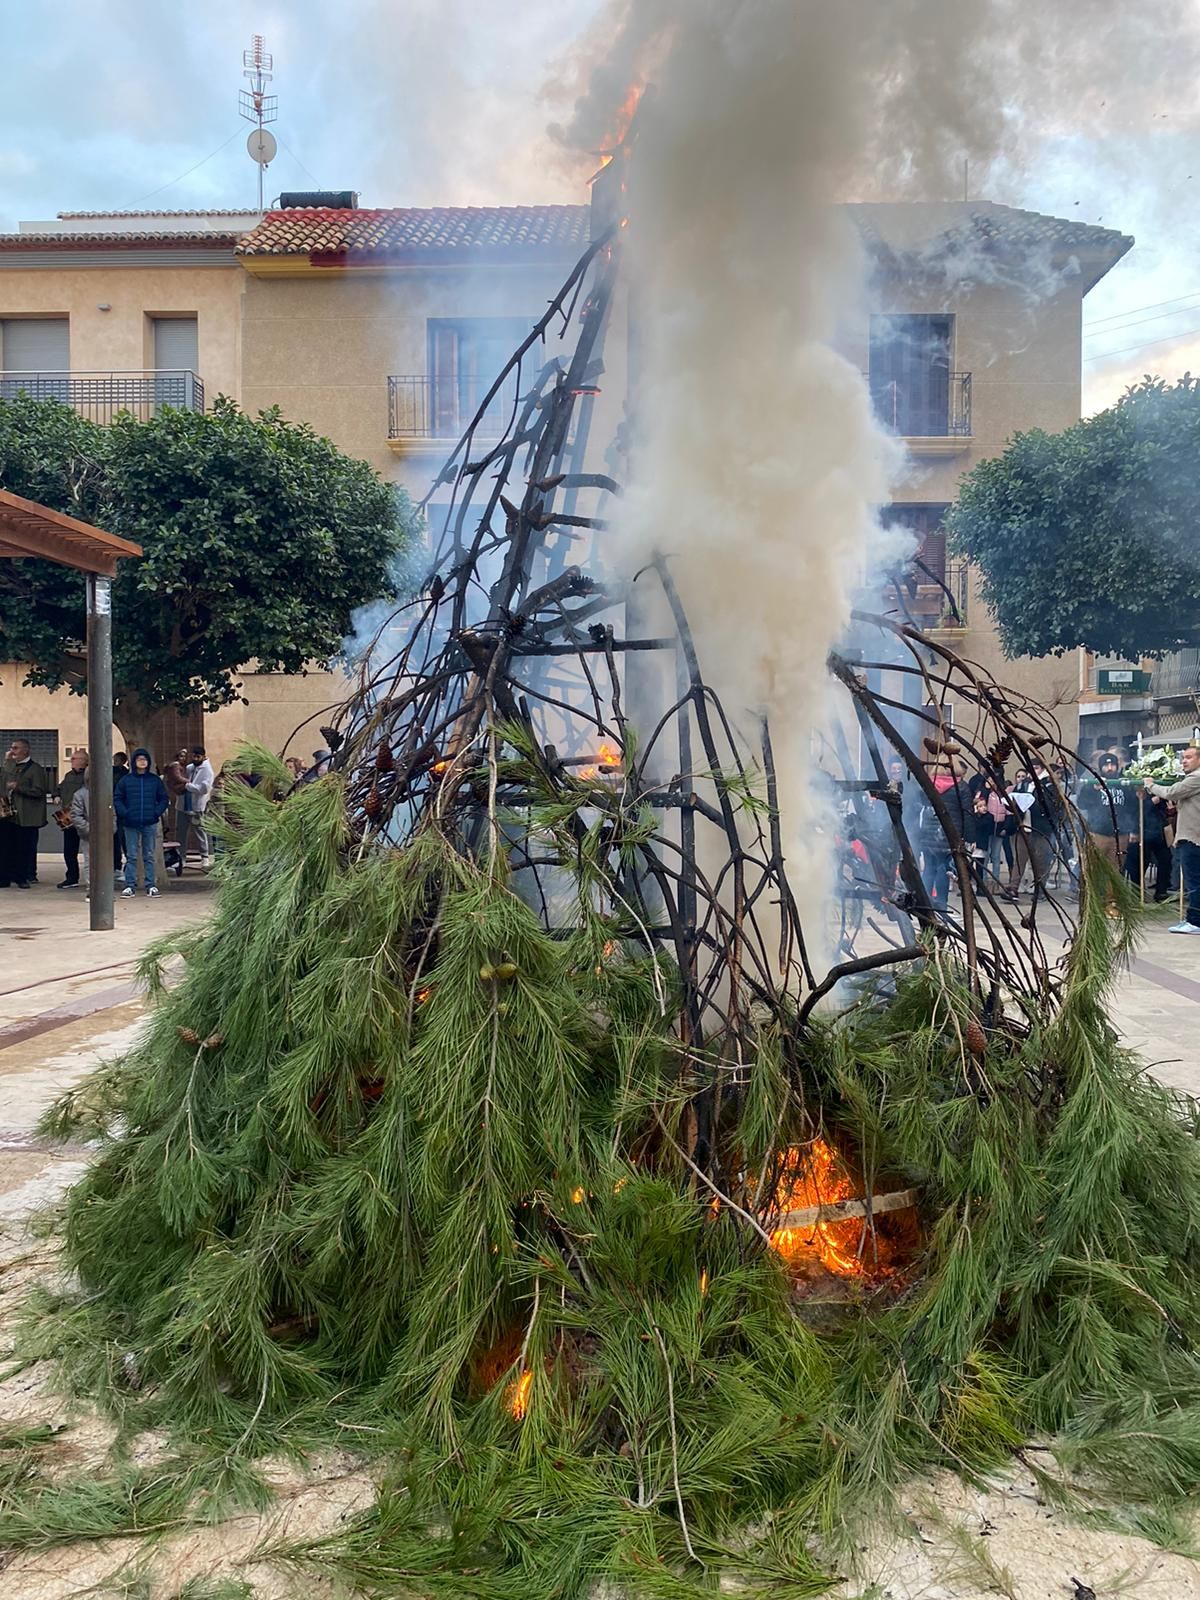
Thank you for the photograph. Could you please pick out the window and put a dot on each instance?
(910, 376)
(466, 355)
(933, 590)
(176, 344)
(43, 746)
(176, 360)
(35, 356)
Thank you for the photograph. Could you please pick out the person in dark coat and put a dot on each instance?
(27, 784)
(140, 800)
(1157, 850)
(74, 779)
(120, 770)
(936, 848)
(1043, 817)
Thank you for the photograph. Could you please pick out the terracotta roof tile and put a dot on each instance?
(108, 241)
(414, 233)
(943, 230)
(211, 211)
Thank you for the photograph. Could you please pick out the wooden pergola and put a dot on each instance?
(29, 530)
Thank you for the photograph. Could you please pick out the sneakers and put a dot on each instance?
(1184, 927)
(151, 893)
(69, 883)
(128, 894)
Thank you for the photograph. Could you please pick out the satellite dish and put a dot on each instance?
(261, 146)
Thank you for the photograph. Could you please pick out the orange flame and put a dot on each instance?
(623, 117)
(516, 1396)
(438, 768)
(815, 1175)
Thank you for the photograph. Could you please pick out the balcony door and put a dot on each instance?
(466, 355)
(910, 366)
(35, 357)
(176, 360)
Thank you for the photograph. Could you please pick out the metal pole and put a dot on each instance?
(100, 714)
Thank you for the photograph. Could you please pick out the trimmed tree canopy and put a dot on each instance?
(1092, 536)
(260, 539)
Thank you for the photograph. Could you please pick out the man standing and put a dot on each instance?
(139, 801)
(195, 801)
(1185, 795)
(1042, 816)
(73, 780)
(1150, 847)
(27, 784)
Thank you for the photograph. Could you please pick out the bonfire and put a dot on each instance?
(505, 1122)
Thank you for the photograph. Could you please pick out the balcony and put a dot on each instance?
(936, 420)
(100, 396)
(1177, 678)
(936, 601)
(425, 407)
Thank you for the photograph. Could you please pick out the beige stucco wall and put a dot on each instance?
(321, 347)
(23, 707)
(121, 339)
(1023, 354)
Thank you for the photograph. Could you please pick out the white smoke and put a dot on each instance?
(758, 463)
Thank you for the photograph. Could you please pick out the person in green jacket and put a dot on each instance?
(26, 783)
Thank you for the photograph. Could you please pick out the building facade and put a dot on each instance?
(384, 330)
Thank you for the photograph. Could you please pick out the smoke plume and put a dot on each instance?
(758, 465)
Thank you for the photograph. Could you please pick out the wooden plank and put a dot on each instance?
(844, 1210)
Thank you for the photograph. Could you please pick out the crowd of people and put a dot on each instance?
(160, 817)
(1029, 829)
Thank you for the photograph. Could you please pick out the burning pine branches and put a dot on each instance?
(526, 1147)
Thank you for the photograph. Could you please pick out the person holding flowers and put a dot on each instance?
(1184, 794)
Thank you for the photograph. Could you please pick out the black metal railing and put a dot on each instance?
(1177, 677)
(934, 596)
(102, 395)
(424, 407)
(942, 410)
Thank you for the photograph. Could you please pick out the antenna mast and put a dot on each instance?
(259, 107)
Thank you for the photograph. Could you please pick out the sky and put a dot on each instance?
(131, 104)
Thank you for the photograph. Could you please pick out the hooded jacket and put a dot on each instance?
(141, 797)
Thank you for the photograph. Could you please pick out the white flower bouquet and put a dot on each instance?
(1156, 766)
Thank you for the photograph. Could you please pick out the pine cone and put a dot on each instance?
(976, 1038)
(384, 760)
(214, 1041)
(188, 1035)
(373, 805)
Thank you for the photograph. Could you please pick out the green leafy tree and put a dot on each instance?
(260, 538)
(1092, 536)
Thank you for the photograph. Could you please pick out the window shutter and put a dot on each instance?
(176, 344)
(35, 344)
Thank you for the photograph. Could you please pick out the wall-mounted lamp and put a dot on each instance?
(104, 306)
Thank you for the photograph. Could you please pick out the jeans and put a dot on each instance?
(935, 874)
(145, 839)
(1188, 856)
(191, 823)
(1032, 850)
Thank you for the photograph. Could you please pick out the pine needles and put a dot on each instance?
(393, 1162)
